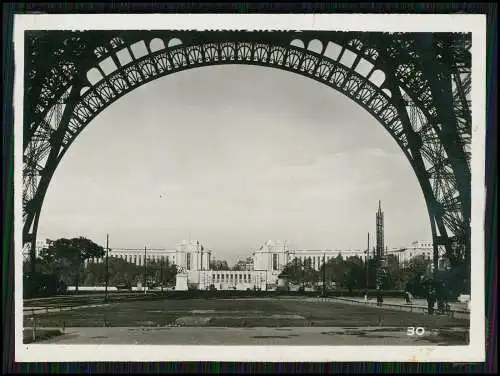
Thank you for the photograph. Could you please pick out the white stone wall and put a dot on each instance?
(199, 256)
(263, 258)
(232, 279)
(136, 256)
(418, 248)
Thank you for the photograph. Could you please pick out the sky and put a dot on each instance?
(233, 156)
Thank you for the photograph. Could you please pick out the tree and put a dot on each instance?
(44, 282)
(298, 272)
(335, 270)
(355, 273)
(293, 272)
(416, 273)
(67, 256)
(395, 277)
(309, 274)
(451, 281)
(373, 264)
(94, 274)
(161, 272)
(124, 273)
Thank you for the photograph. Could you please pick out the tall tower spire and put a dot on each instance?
(380, 245)
(379, 219)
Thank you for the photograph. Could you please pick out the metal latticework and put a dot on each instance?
(379, 225)
(416, 85)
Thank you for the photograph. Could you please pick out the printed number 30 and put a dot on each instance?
(419, 331)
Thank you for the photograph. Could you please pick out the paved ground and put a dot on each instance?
(457, 310)
(298, 336)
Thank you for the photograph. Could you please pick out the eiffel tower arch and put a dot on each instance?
(416, 85)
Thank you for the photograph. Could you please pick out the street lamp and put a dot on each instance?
(324, 276)
(107, 270)
(161, 273)
(367, 258)
(145, 270)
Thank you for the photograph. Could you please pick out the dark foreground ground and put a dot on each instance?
(246, 321)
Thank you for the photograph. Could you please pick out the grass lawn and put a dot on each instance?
(240, 313)
(40, 335)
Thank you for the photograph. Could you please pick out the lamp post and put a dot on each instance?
(107, 270)
(145, 270)
(303, 267)
(324, 276)
(367, 259)
(161, 273)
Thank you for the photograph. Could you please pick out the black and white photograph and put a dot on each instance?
(247, 187)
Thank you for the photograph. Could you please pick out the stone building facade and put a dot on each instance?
(262, 269)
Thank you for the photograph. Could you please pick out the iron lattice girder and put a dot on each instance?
(52, 55)
(58, 61)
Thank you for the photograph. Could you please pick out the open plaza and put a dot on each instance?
(249, 320)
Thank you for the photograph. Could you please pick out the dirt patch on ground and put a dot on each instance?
(193, 321)
(290, 317)
(269, 337)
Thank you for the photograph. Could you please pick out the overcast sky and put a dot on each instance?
(233, 156)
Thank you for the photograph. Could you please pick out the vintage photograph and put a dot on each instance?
(189, 186)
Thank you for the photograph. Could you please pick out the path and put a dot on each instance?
(300, 336)
(457, 310)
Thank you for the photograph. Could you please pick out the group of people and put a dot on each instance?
(433, 296)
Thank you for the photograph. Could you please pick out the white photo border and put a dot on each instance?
(473, 23)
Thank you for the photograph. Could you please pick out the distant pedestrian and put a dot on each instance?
(447, 308)
(440, 305)
(431, 301)
(407, 297)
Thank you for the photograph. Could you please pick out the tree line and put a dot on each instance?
(65, 263)
(355, 273)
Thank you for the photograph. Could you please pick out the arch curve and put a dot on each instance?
(349, 65)
(298, 60)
